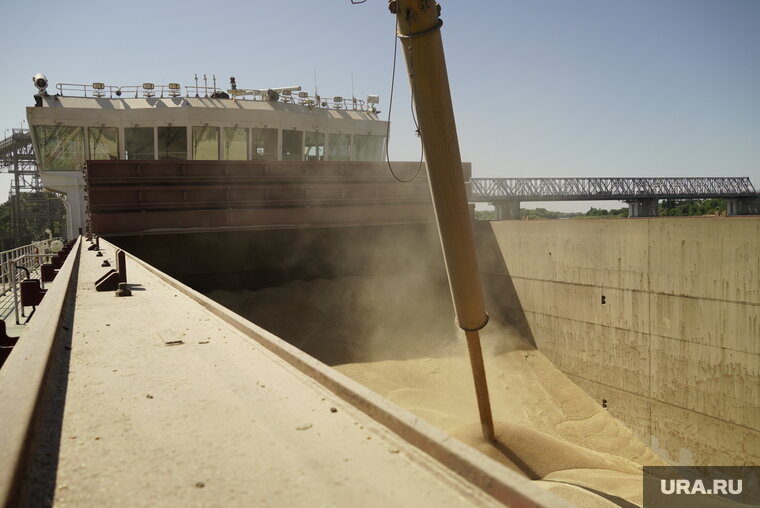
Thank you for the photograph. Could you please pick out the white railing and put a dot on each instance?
(289, 95)
(302, 99)
(115, 92)
(12, 262)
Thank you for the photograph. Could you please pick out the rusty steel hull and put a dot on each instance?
(144, 197)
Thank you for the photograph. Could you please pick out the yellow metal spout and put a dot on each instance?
(419, 29)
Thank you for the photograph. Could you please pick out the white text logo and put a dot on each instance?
(698, 487)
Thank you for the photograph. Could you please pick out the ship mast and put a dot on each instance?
(419, 26)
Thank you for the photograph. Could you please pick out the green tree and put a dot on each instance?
(691, 207)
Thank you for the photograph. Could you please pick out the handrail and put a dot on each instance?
(201, 91)
(39, 244)
(30, 257)
(115, 92)
(304, 99)
(29, 362)
(287, 96)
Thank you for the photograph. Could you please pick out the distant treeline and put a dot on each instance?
(668, 208)
(35, 215)
(682, 207)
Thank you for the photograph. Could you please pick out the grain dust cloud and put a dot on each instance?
(389, 324)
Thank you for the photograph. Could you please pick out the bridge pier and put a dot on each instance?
(743, 206)
(507, 210)
(645, 207)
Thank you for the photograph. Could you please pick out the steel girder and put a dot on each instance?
(561, 189)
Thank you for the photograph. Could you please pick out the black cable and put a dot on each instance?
(390, 109)
(411, 101)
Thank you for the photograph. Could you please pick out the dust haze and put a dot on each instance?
(383, 316)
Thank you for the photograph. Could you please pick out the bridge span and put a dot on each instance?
(641, 194)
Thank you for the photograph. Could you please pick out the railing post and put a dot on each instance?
(3, 257)
(12, 273)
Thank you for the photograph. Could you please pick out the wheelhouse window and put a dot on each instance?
(138, 143)
(61, 147)
(264, 144)
(339, 147)
(172, 143)
(368, 148)
(206, 143)
(292, 144)
(314, 146)
(104, 143)
(235, 147)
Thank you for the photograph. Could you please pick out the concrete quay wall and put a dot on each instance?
(658, 318)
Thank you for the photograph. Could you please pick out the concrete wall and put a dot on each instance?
(659, 317)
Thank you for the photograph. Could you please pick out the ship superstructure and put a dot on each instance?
(158, 122)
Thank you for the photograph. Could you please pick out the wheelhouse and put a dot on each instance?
(155, 122)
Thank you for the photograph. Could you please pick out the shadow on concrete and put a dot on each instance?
(39, 481)
(502, 301)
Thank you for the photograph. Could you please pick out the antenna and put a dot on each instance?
(316, 91)
(205, 85)
(196, 85)
(352, 85)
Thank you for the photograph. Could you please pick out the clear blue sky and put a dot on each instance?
(540, 87)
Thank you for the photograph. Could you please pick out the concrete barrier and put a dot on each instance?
(659, 318)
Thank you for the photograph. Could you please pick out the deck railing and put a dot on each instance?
(288, 95)
(24, 375)
(14, 266)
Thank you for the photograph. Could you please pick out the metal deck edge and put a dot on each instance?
(490, 476)
(23, 377)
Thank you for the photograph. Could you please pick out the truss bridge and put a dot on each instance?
(641, 194)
